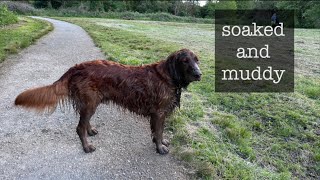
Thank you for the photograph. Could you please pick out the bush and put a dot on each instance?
(6, 16)
(162, 17)
(19, 7)
(312, 17)
(81, 11)
(172, 18)
(128, 15)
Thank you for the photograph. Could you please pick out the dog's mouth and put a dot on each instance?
(197, 77)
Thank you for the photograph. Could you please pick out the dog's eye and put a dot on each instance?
(185, 61)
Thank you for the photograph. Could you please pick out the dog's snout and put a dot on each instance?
(196, 70)
(197, 73)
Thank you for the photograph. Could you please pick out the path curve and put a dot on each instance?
(36, 146)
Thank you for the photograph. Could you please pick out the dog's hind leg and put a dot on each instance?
(84, 128)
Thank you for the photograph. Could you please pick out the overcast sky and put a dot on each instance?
(202, 2)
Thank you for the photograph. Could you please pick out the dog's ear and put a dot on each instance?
(172, 62)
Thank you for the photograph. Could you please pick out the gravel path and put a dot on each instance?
(34, 146)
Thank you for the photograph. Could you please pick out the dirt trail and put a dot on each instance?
(46, 146)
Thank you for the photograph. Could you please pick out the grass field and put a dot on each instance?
(19, 35)
(228, 135)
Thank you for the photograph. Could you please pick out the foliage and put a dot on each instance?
(227, 4)
(207, 11)
(6, 16)
(312, 16)
(306, 11)
(128, 15)
(245, 4)
(19, 7)
(41, 3)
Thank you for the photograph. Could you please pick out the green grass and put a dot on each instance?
(21, 34)
(227, 135)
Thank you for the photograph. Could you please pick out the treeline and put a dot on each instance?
(307, 12)
(174, 7)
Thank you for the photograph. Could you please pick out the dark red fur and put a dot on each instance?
(151, 90)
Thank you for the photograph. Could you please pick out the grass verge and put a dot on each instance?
(227, 135)
(16, 36)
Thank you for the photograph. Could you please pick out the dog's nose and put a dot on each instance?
(197, 74)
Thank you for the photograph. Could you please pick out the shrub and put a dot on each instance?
(6, 16)
(128, 15)
(312, 17)
(19, 7)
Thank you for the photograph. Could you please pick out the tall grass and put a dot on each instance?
(6, 16)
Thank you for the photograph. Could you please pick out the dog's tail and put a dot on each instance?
(45, 98)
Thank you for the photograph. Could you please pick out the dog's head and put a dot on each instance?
(183, 67)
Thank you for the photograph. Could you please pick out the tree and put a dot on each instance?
(245, 4)
(177, 7)
(312, 16)
(207, 11)
(56, 4)
(226, 4)
(300, 7)
(40, 3)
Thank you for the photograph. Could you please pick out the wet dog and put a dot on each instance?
(152, 90)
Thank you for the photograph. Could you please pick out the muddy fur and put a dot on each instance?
(152, 91)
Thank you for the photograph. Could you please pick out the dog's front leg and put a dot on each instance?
(157, 125)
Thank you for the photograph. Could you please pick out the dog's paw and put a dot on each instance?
(165, 142)
(92, 131)
(162, 149)
(88, 149)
